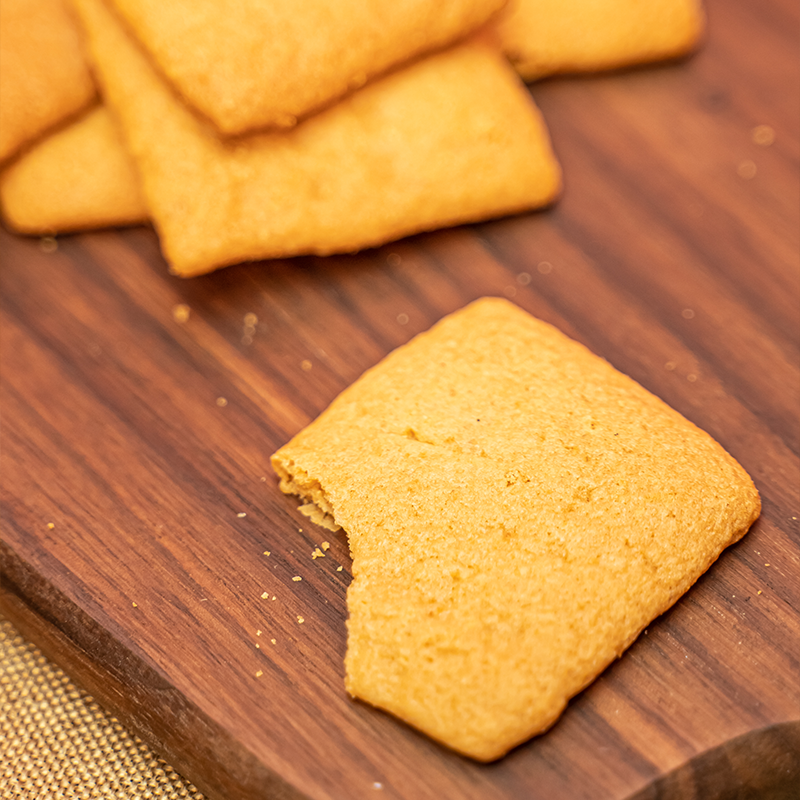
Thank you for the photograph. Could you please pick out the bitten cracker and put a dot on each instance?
(247, 64)
(543, 37)
(517, 512)
(79, 178)
(452, 138)
(44, 77)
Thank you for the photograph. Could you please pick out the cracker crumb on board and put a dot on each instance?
(181, 313)
(763, 135)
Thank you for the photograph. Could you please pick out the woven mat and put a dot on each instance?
(56, 742)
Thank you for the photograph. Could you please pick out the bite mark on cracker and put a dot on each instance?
(518, 511)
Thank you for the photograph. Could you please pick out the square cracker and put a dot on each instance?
(517, 512)
(452, 138)
(80, 177)
(44, 76)
(543, 37)
(248, 64)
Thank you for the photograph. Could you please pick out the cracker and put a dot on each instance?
(247, 64)
(517, 512)
(543, 37)
(452, 138)
(78, 178)
(44, 76)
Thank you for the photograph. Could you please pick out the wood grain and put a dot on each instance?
(148, 587)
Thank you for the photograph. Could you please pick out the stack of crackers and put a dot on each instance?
(248, 130)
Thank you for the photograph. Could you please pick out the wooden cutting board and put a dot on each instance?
(146, 547)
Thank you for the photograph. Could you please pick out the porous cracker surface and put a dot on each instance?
(517, 511)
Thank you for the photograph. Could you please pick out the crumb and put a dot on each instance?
(747, 169)
(250, 321)
(263, 479)
(305, 365)
(273, 641)
(759, 591)
(267, 553)
(135, 605)
(51, 525)
(181, 312)
(763, 135)
(317, 554)
(766, 565)
(242, 514)
(258, 646)
(258, 633)
(377, 785)
(339, 568)
(222, 402)
(326, 546)
(300, 620)
(297, 578)
(274, 598)
(259, 673)
(264, 595)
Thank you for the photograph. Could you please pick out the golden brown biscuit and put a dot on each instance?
(247, 64)
(452, 138)
(542, 37)
(78, 178)
(517, 511)
(44, 77)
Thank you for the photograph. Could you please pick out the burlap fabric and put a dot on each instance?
(56, 742)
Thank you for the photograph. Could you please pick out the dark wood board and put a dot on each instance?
(673, 253)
